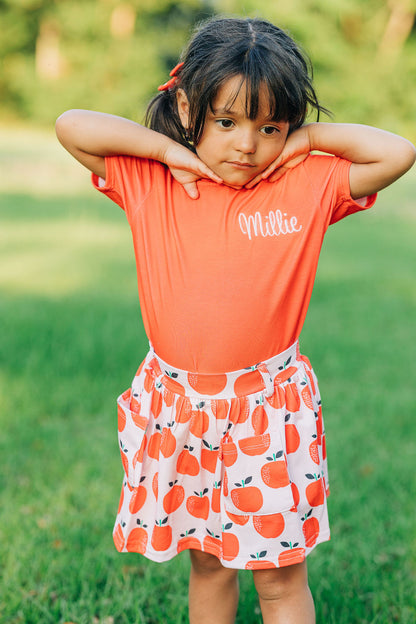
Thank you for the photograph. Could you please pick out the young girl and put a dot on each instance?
(221, 433)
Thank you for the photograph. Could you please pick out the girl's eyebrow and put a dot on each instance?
(230, 111)
(223, 111)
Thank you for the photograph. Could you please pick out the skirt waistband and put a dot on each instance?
(238, 383)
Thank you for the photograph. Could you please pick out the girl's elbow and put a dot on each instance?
(412, 154)
(67, 128)
(407, 157)
(62, 124)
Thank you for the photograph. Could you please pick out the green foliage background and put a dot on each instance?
(110, 55)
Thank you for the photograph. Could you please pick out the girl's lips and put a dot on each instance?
(240, 165)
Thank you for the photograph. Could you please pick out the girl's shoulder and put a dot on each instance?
(325, 171)
(129, 179)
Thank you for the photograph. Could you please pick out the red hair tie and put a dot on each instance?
(171, 83)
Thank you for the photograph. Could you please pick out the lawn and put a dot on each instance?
(71, 338)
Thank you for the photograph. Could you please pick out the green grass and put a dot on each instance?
(71, 339)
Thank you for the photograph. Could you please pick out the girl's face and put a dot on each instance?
(235, 147)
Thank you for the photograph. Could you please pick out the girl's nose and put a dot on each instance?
(246, 142)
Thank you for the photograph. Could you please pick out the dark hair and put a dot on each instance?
(221, 48)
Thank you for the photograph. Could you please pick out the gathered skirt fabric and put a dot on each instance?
(231, 464)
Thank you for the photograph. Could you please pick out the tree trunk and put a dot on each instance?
(398, 28)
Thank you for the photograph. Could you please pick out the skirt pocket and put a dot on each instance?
(131, 435)
(256, 478)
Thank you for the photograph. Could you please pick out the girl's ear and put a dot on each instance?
(183, 107)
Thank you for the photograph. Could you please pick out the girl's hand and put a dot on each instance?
(187, 168)
(295, 150)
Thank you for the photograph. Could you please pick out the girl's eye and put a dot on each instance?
(225, 123)
(269, 130)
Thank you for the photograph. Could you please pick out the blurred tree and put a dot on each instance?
(102, 54)
(399, 26)
(112, 54)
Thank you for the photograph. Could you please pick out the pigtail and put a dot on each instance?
(162, 116)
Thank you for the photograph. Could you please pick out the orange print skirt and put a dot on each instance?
(233, 465)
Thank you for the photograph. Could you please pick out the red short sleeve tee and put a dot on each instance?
(225, 281)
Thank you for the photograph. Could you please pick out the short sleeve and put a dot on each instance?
(128, 180)
(346, 205)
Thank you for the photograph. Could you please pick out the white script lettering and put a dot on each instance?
(273, 224)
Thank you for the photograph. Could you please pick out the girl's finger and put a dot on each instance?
(254, 181)
(191, 189)
(272, 167)
(206, 172)
(276, 175)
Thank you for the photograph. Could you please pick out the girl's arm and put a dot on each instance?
(90, 136)
(378, 157)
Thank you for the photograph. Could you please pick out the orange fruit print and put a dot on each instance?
(277, 400)
(174, 498)
(198, 505)
(306, 395)
(247, 383)
(237, 519)
(161, 535)
(121, 417)
(269, 526)
(311, 381)
(315, 490)
(134, 404)
(220, 409)
(257, 445)
(207, 384)
(229, 451)
(188, 541)
(292, 397)
(212, 543)
(168, 397)
(259, 419)
(148, 380)
(118, 538)
(258, 562)
(137, 540)
(139, 421)
(138, 456)
(274, 473)
(286, 373)
(138, 498)
(168, 441)
(187, 463)
(199, 422)
(308, 369)
(156, 404)
(230, 543)
(248, 499)
(292, 436)
(209, 456)
(172, 385)
(216, 497)
(313, 450)
(155, 485)
(295, 494)
(153, 448)
(310, 529)
(293, 554)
